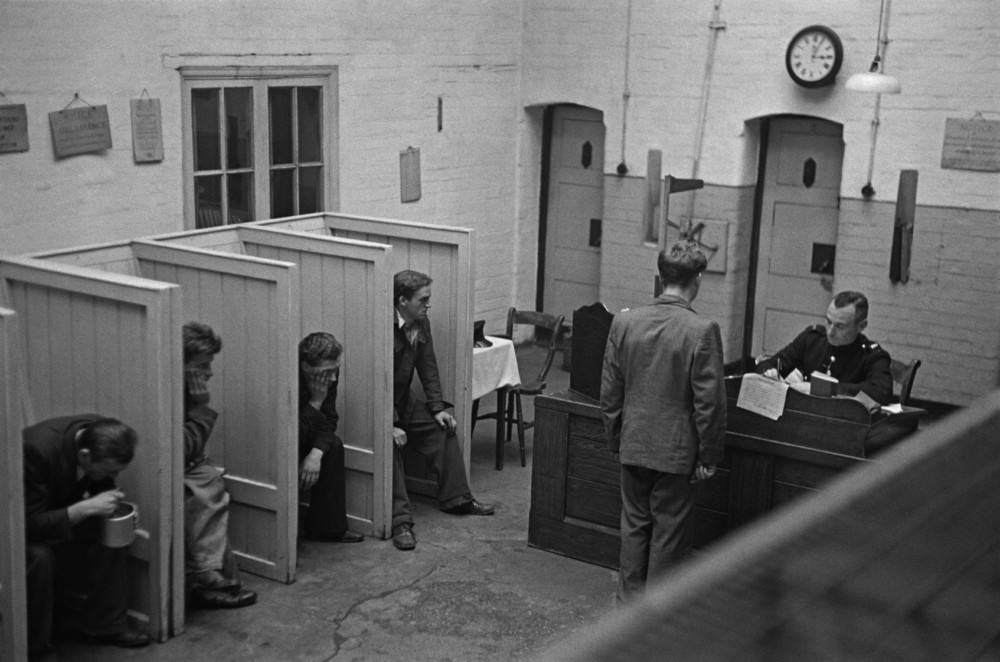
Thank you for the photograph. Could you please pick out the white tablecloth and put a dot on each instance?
(494, 367)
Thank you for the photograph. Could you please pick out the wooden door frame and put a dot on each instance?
(544, 193)
(543, 204)
(746, 354)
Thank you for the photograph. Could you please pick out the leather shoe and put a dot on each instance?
(472, 508)
(127, 639)
(346, 536)
(213, 580)
(209, 599)
(403, 537)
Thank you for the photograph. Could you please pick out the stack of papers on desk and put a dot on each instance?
(762, 395)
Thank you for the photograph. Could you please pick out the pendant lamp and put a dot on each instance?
(874, 80)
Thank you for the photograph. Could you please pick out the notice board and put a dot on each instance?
(80, 130)
(13, 128)
(147, 131)
(971, 144)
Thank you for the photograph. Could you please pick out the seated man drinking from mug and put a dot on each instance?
(70, 466)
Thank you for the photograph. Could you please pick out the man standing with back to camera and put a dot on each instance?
(663, 401)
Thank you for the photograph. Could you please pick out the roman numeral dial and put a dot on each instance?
(814, 56)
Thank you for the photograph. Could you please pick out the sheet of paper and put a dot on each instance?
(794, 377)
(762, 395)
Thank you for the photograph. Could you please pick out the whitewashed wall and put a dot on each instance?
(495, 65)
(394, 59)
(944, 54)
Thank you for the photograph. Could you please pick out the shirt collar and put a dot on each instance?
(412, 331)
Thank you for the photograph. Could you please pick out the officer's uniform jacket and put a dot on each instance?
(861, 366)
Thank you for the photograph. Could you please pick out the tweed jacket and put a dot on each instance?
(663, 396)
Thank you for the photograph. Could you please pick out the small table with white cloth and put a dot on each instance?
(495, 369)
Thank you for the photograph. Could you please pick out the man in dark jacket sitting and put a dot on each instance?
(838, 349)
(425, 425)
(70, 465)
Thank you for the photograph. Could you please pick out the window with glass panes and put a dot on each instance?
(257, 146)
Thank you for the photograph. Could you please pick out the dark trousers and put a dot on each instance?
(444, 455)
(92, 593)
(327, 514)
(655, 526)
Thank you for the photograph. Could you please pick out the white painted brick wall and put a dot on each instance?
(395, 60)
(490, 61)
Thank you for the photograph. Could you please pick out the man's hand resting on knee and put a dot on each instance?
(446, 421)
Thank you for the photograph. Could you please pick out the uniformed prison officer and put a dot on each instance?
(838, 349)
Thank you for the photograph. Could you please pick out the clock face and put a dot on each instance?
(814, 56)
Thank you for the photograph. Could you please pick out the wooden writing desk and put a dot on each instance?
(575, 500)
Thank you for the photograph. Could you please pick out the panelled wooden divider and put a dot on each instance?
(345, 288)
(13, 634)
(109, 343)
(253, 305)
(446, 255)
(99, 330)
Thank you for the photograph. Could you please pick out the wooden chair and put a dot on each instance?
(904, 374)
(547, 327)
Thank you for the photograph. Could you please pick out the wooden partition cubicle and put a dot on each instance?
(252, 304)
(346, 289)
(108, 343)
(13, 629)
(444, 253)
(896, 560)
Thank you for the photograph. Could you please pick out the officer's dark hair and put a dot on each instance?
(319, 346)
(852, 298)
(199, 338)
(681, 264)
(407, 282)
(108, 438)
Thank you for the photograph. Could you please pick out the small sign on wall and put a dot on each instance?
(409, 174)
(147, 131)
(971, 144)
(13, 128)
(80, 131)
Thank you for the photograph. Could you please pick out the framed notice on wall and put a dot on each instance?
(971, 144)
(13, 128)
(80, 130)
(147, 131)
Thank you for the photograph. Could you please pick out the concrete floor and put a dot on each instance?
(471, 591)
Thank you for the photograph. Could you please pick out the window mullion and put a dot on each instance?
(295, 149)
(223, 158)
(261, 154)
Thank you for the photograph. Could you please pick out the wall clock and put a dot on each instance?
(814, 56)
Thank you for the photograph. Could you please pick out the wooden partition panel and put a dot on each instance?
(108, 343)
(346, 289)
(13, 599)
(446, 255)
(253, 305)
